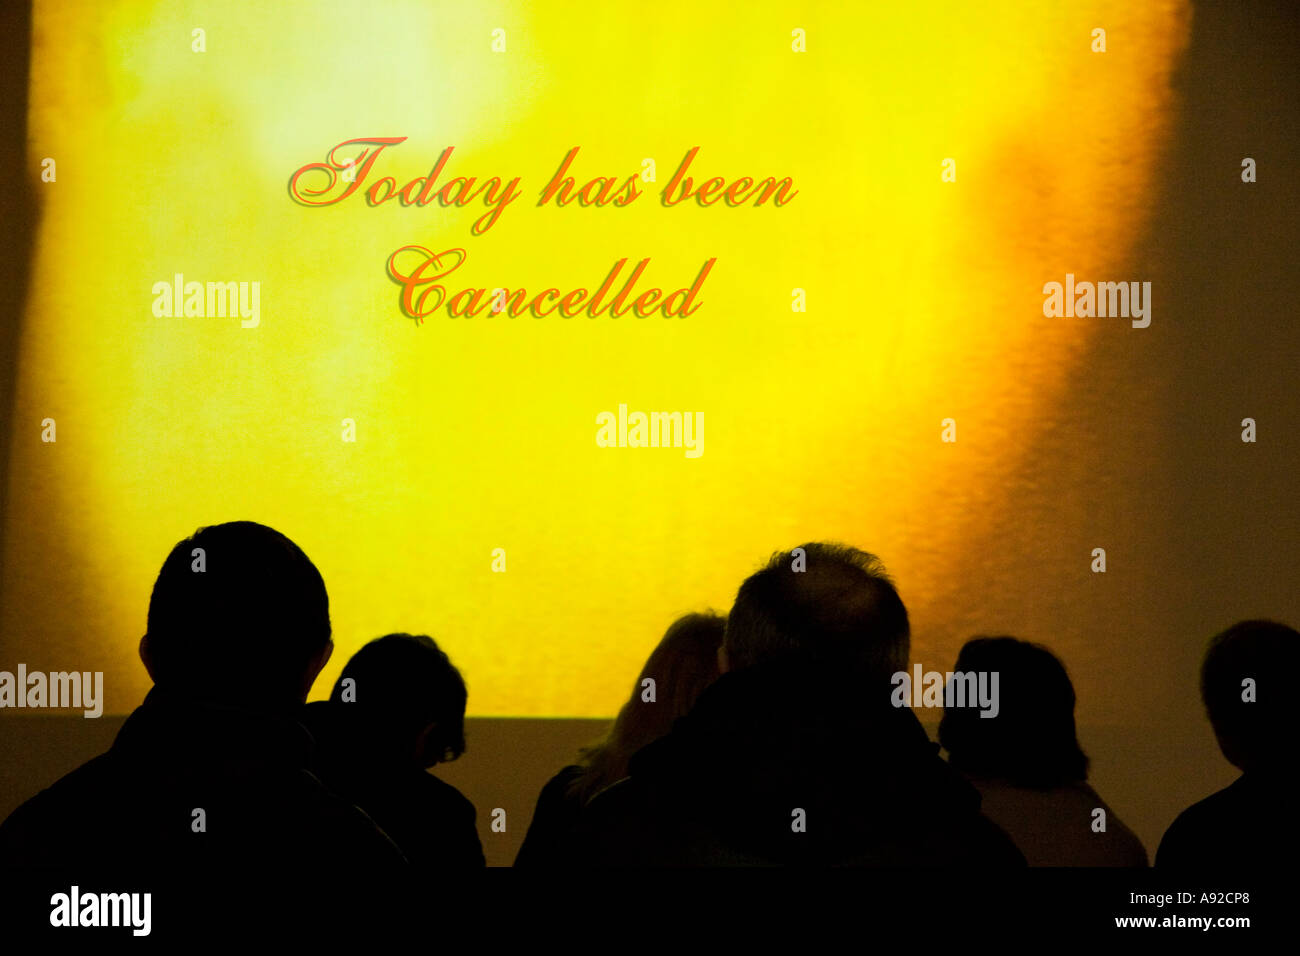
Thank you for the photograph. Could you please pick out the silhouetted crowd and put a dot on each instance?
(772, 736)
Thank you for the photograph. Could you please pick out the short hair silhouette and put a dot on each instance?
(1032, 741)
(238, 610)
(841, 610)
(1260, 731)
(404, 683)
(683, 663)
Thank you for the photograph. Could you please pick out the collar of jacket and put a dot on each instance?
(203, 731)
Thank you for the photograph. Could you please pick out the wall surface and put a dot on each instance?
(1074, 433)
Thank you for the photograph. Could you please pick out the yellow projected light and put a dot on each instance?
(923, 302)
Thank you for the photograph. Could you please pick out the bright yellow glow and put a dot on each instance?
(923, 298)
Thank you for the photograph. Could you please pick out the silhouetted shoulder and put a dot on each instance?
(1247, 825)
(432, 821)
(1244, 826)
(38, 832)
(349, 834)
(201, 792)
(1058, 826)
(554, 818)
(447, 797)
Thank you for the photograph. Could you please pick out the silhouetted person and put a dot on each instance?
(211, 770)
(680, 667)
(795, 754)
(1248, 685)
(397, 709)
(1026, 761)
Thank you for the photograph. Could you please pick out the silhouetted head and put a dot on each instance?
(678, 669)
(1032, 740)
(823, 605)
(1246, 683)
(409, 698)
(238, 615)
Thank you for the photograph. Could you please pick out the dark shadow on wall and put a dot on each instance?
(18, 216)
(1222, 253)
(1143, 453)
(1226, 254)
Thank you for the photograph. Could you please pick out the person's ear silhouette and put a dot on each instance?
(316, 665)
(146, 659)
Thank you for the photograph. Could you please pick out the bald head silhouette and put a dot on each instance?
(820, 604)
